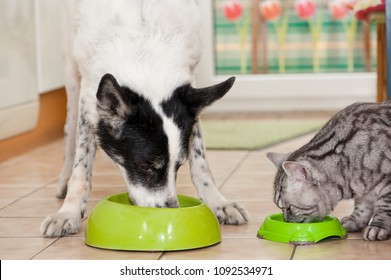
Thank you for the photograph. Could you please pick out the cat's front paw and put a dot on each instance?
(60, 224)
(350, 225)
(375, 233)
(231, 213)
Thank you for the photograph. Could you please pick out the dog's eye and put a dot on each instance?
(158, 163)
(146, 167)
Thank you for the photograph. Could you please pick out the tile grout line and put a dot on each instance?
(235, 169)
(161, 256)
(293, 252)
(26, 195)
(43, 249)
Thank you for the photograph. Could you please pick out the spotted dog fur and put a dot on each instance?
(129, 68)
(227, 212)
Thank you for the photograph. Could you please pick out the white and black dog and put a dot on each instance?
(129, 68)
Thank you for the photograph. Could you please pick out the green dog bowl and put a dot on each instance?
(274, 228)
(115, 223)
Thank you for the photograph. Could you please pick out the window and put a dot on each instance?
(291, 58)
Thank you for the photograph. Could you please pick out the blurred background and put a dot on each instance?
(290, 57)
(32, 98)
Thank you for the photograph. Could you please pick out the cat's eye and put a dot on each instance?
(288, 209)
(302, 210)
(294, 210)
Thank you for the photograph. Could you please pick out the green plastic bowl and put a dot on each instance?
(274, 228)
(115, 223)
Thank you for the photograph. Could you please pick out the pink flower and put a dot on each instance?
(233, 10)
(270, 9)
(338, 9)
(350, 3)
(305, 8)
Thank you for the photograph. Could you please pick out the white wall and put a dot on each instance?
(30, 60)
(18, 69)
(49, 44)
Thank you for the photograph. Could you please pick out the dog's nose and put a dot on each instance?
(171, 203)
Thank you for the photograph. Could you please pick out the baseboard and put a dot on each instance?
(17, 119)
(50, 126)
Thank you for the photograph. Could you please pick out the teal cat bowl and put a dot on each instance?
(274, 228)
(115, 223)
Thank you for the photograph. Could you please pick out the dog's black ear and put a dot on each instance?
(111, 98)
(196, 99)
(114, 103)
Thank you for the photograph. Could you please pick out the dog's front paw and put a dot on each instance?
(231, 213)
(60, 224)
(375, 233)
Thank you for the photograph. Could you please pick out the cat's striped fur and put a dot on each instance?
(350, 157)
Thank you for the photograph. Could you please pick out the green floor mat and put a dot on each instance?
(254, 134)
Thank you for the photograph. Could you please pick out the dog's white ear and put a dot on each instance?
(197, 99)
(111, 98)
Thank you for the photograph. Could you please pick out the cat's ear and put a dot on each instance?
(277, 159)
(295, 170)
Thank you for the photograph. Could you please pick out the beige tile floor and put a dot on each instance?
(27, 187)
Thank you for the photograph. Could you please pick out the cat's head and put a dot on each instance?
(301, 197)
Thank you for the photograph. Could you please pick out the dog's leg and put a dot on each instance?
(72, 85)
(227, 212)
(67, 220)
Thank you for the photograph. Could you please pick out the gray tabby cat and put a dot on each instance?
(350, 157)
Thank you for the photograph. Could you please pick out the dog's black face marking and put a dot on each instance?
(151, 141)
(176, 108)
(132, 134)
